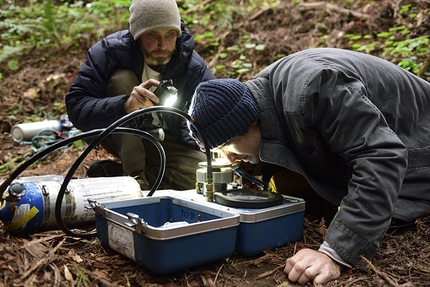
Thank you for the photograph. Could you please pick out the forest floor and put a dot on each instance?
(51, 258)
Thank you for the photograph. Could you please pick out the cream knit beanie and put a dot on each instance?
(149, 15)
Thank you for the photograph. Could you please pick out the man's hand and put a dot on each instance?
(141, 97)
(307, 265)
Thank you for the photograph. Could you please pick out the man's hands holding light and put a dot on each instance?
(141, 97)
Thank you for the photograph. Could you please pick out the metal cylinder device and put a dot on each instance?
(26, 131)
(222, 174)
(33, 209)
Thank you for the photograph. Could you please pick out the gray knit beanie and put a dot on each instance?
(221, 109)
(149, 15)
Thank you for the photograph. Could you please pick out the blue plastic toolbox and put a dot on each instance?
(167, 234)
(260, 228)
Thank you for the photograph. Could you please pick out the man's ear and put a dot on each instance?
(254, 123)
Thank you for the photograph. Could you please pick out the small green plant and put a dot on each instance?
(410, 64)
(396, 44)
(81, 278)
(208, 37)
(407, 52)
(59, 107)
(241, 65)
(40, 24)
(212, 14)
(13, 65)
(218, 15)
(13, 162)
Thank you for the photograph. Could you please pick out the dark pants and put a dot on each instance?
(140, 157)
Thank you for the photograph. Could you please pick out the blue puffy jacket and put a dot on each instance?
(88, 104)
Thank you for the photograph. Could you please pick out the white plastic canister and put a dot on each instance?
(26, 131)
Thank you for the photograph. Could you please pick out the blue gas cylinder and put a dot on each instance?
(27, 212)
(32, 207)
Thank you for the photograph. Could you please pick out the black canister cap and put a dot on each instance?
(16, 189)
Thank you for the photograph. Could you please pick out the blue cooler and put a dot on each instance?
(167, 234)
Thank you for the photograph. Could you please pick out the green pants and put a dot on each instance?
(141, 157)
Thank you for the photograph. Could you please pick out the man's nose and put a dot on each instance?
(162, 43)
(231, 156)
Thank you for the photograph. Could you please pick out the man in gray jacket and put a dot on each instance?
(355, 126)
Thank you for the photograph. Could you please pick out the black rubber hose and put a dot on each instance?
(101, 134)
(42, 154)
(93, 133)
(78, 161)
(101, 137)
(81, 136)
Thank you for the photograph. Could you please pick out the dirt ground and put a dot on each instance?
(51, 258)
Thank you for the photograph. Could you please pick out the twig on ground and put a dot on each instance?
(216, 276)
(380, 273)
(270, 272)
(205, 282)
(44, 260)
(332, 7)
(57, 275)
(358, 280)
(36, 241)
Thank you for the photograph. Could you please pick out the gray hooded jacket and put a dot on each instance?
(358, 129)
